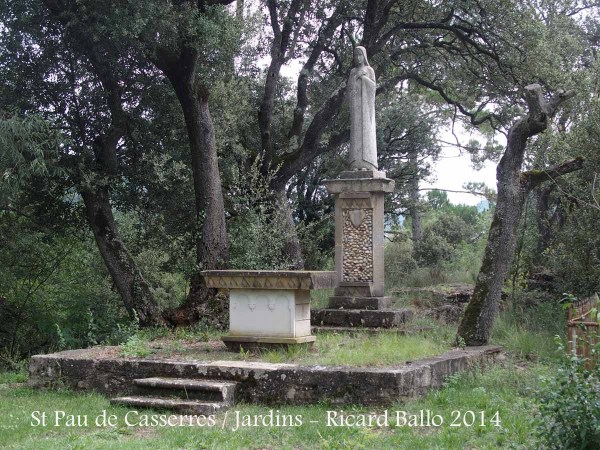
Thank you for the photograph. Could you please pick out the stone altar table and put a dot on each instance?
(268, 308)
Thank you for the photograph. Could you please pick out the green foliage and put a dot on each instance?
(438, 199)
(449, 231)
(432, 249)
(13, 377)
(54, 292)
(135, 346)
(569, 407)
(527, 327)
(575, 255)
(449, 251)
(165, 263)
(399, 261)
(258, 229)
(316, 240)
(28, 147)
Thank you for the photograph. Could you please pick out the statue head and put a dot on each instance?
(360, 57)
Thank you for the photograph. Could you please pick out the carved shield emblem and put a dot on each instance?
(356, 217)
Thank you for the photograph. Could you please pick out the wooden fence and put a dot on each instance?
(583, 329)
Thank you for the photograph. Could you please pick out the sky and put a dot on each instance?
(454, 169)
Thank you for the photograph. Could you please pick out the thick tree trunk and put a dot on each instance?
(128, 279)
(477, 322)
(212, 250)
(513, 186)
(126, 276)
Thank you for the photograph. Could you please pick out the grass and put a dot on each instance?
(382, 349)
(530, 334)
(13, 377)
(331, 348)
(507, 390)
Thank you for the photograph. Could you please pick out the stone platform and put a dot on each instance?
(362, 312)
(255, 382)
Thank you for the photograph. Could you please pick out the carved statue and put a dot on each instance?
(361, 95)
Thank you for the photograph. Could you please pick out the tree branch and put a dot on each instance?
(279, 48)
(533, 178)
(472, 116)
(325, 34)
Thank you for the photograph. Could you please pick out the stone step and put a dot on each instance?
(386, 318)
(196, 389)
(374, 303)
(173, 404)
(358, 330)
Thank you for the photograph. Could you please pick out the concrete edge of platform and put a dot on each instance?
(265, 383)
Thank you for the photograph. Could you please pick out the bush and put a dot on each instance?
(569, 410)
(259, 229)
(433, 249)
(399, 263)
(54, 293)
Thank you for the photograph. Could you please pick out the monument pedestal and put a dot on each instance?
(359, 238)
(359, 245)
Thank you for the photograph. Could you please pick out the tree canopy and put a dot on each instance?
(179, 129)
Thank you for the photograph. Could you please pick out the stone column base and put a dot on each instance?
(359, 231)
(382, 318)
(371, 303)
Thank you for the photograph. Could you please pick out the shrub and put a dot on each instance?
(54, 292)
(433, 249)
(569, 407)
(399, 263)
(259, 229)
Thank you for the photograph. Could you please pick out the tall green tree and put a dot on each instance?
(561, 42)
(78, 84)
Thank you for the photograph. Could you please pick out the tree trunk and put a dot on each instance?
(128, 279)
(477, 322)
(126, 276)
(415, 213)
(292, 249)
(513, 186)
(212, 250)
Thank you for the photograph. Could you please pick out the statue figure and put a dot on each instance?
(361, 95)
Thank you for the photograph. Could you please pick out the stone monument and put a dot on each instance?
(361, 96)
(268, 308)
(359, 229)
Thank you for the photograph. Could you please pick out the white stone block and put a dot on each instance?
(272, 312)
